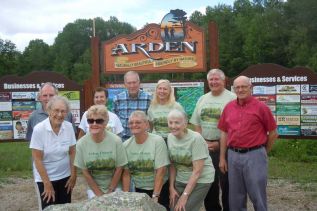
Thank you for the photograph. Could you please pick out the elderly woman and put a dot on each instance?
(100, 154)
(191, 169)
(53, 151)
(147, 160)
(163, 102)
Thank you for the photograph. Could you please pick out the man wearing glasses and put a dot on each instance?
(248, 130)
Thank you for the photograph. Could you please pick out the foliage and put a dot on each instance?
(8, 57)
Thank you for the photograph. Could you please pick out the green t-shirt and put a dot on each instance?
(186, 150)
(207, 113)
(158, 117)
(144, 158)
(100, 159)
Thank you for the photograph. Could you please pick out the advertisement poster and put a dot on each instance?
(6, 130)
(309, 110)
(272, 108)
(267, 99)
(5, 115)
(76, 115)
(288, 98)
(309, 119)
(291, 109)
(264, 90)
(308, 89)
(18, 115)
(70, 95)
(288, 89)
(111, 93)
(6, 106)
(74, 104)
(288, 120)
(23, 105)
(19, 129)
(288, 130)
(23, 95)
(5, 96)
(309, 129)
(311, 98)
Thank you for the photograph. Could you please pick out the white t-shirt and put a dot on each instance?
(114, 125)
(55, 149)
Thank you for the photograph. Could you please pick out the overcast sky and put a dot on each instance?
(25, 20)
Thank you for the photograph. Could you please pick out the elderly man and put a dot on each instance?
(46, 92)
(248, 130)
(205, 119)
(130, 100)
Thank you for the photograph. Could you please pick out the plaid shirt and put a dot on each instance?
(123, 106)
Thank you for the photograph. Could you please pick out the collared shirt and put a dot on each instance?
(246, 125)
(55, 148)
(124, 105)
(38, 116)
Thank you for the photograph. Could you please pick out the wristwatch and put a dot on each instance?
(185, 194)
(155, 195)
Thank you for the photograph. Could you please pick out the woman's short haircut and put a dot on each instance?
(101, 89)
(99, 110)
(177, 114)
(55, 99)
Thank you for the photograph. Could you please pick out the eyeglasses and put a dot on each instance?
(98, 121)
(57, 111)
(241, 87)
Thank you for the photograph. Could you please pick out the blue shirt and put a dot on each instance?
(124, 105)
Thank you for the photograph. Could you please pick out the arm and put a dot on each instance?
(158, 181)
(272, 136)
(49, 192)
(126, 178)
(91, 183)
(223, 149)
(81, 133)
(115, 179)
(173, 193)
(198, 166)
(72, 180)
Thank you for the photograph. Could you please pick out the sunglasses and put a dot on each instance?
(98, 121)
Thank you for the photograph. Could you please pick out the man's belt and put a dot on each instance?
(212, 140)
(244, 150)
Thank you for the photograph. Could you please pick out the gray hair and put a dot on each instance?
(131, 73)
(177, 114)
(48, 84)
(216, 72)
(56, 99)
(98, 110)
(140, 114)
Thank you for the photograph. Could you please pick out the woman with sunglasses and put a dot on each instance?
(53, 152)
(100, 154)
(147, 160)
(163, 102)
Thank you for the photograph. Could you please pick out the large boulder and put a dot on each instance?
(116, 201)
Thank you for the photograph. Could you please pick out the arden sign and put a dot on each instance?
(175, 45)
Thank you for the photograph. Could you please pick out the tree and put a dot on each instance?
(8, 57)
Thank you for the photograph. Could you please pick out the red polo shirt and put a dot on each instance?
(246, 125)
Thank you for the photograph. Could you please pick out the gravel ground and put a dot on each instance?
(19, 194)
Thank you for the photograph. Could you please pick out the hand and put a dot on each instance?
(181, 203)
(155, 199)
(213, 146)
(173, 196)
(71, 182)
(49, 192)
(223, 166)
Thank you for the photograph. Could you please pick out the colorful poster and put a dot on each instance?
(267, 99)
(288, 89)
(18, 115)
(309, 109)
(309, 119)
(288, 130)
(70, 95)
(76, 115)
(6, 131)
(309, 129)
(19, 129)
(309, 98)
(290, 109)
(264, 90)
(5, 106)
(5, 115)
(111, 93)
(23, 105)
(23, 95)
(273, 109)
(309, 89)
(74, 104)
(288, 120)
(287, 98)
(5, 96)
